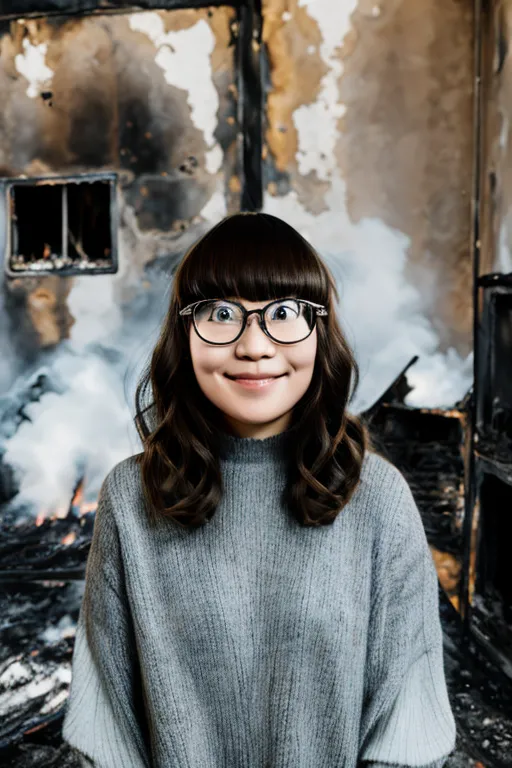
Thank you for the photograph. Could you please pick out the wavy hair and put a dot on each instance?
(258, 257)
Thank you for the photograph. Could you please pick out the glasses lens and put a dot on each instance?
(220, 321)
(289, 320)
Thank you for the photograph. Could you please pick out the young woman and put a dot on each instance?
(259, 590)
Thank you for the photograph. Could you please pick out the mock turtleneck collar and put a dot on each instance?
(251, 449)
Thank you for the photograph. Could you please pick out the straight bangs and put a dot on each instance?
(256, 257)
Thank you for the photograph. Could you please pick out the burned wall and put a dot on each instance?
(367, 151)
(115, 93)
(150, 97)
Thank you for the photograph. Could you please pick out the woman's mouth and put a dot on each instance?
(255, 383)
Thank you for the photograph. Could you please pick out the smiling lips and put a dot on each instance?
(255, 377)
(255, 383)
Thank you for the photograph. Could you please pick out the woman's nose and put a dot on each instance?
(249, 332)
(253, 320)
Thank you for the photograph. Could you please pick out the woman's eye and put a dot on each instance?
(285, 312)
(222, 313)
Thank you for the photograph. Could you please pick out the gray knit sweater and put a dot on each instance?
(253, 641)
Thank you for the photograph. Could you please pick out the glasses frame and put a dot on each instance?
(189, 310)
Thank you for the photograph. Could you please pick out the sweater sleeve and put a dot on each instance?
(104, 720)
(407, 720)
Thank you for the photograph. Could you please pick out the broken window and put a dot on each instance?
(64, 225)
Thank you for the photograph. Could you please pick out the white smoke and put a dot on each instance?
(86, 426)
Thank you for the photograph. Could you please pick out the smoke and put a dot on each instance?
(87, 427)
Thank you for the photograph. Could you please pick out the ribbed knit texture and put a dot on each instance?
(256, 642)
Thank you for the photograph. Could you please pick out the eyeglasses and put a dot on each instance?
(285, 321)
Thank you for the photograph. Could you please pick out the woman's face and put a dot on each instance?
(254, 412)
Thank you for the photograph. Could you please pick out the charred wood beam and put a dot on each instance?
(250, 108)
(13, 9)
(17, 576)
(482, 23)
(495, 279)
(55, 550)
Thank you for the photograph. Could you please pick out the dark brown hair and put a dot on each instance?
(257, 257)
